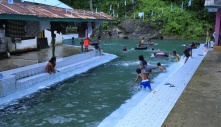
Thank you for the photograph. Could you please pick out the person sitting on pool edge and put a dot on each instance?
(50, 67)
(145, 80)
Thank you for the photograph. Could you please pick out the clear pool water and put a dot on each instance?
(86, 99)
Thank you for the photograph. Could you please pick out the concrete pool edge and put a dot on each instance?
(154, 108)
(70, 71)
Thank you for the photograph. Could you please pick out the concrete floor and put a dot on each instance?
(25, 59)
(200, 105)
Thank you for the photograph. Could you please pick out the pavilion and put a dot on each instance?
(215, 6)
(15, 17)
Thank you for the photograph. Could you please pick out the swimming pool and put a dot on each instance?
(86, 99)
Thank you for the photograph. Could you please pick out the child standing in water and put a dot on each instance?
(145, 66)
(144, 77)
(176, 56)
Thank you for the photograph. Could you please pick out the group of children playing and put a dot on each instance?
(148, 69)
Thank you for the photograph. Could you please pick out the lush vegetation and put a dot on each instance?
(190, 22)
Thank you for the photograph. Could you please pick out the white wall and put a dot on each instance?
(58, 39)
(31, 43)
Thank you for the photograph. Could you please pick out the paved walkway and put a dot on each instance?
(43, 55)
(156, 106)
(200, 105)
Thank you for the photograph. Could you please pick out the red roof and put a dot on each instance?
(42, 11)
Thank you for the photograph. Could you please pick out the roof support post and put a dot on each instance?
(53, 35)
(217, 25)
(100, 30)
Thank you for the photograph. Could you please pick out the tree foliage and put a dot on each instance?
(190, 23)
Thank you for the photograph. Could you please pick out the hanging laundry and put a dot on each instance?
(89, 27)
(152, 13)
(113, 13)
(189, 3)
(10, 1)
(101, 14)
(182, 6)
(111, 7)
(162, 10)
(85, 33)
(141, 14)
(125, 16)
(171, 7)
(125, 2)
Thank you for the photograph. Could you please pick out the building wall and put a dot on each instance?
(24, 44)
(58, 39)
(31, 43)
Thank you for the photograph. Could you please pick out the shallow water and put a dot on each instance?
(86, 99)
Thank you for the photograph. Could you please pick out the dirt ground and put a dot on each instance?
(200, 103)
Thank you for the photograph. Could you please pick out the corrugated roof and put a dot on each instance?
(56, 3)
(20, 11)
(212, 4)
(209, 3)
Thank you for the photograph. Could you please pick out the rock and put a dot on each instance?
(132, 29)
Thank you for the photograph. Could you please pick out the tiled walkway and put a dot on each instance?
(154, 108)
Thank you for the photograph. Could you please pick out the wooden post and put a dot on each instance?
(53, 45)
(53, 25)
(217, 26)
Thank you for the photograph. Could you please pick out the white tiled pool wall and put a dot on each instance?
(25, 77)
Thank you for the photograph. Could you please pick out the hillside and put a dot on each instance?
(169, 17)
